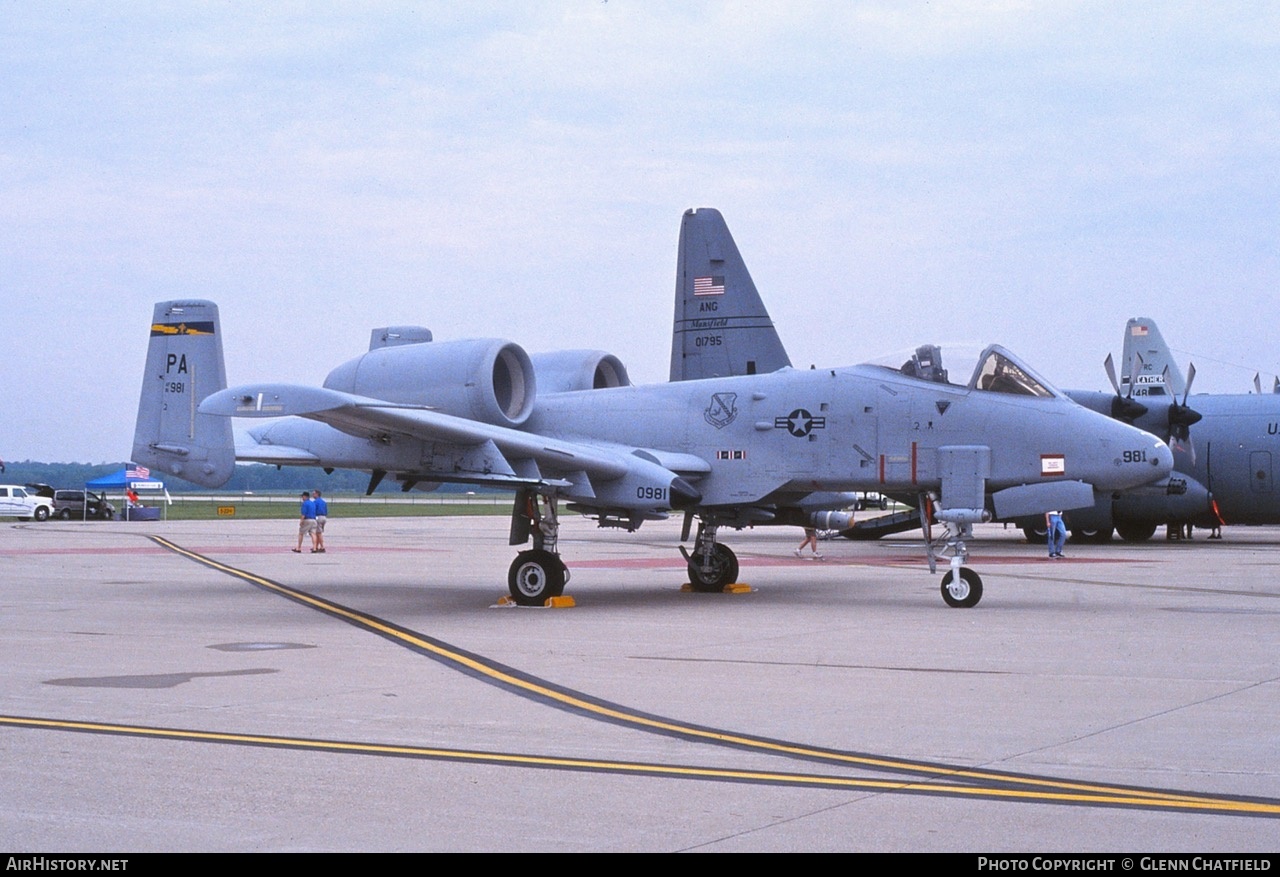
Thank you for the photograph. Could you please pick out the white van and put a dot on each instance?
(18, 502)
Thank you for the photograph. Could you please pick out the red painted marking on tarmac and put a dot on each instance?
(889, 560)
(24, 552)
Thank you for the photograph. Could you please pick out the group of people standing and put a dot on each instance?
(315, 513)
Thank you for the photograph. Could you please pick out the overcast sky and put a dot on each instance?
(894, 173)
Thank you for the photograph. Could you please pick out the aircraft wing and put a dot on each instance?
(498, 452)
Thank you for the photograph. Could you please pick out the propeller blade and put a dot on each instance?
(1122, 408)
(1135, 367)
(1257, 383)
(1181, 416)
(1110, 366)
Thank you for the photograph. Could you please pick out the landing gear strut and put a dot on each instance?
(537, 574)
(711, 565)
(961, 586)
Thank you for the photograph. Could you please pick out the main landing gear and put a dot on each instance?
(537, 574)
(712, 566)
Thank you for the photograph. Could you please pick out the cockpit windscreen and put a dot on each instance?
(996, 371)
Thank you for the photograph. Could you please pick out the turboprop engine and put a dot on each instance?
(486, 379)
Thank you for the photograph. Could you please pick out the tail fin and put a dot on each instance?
(721, 325)
(184, 365)
(1142, 337)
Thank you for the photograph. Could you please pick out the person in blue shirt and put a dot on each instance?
(322, 516)
(306, 523)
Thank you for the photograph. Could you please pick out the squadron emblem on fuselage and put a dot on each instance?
(722, 411)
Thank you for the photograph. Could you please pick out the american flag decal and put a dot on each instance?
(708, 286)
(1139, 330)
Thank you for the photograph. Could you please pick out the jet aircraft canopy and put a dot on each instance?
(997, 371)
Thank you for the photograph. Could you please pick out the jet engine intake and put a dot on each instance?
(564, 371)
(487, 379)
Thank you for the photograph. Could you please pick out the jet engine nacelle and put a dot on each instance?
(563, 371)
(486, 379)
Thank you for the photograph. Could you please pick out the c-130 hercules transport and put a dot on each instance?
(724, 451)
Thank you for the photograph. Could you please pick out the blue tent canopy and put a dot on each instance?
(122, 480)
(117, 480)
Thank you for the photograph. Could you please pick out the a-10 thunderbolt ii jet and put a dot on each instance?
(567, 427)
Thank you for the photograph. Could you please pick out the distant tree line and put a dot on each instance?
(256, 477)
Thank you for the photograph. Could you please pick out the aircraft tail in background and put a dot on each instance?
(1141, 336)
(721, 326)
(184, 365)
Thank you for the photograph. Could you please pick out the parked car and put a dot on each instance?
(17, 502)
(68, 504)
(870, 500)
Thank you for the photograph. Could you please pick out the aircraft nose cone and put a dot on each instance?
(1162, 460)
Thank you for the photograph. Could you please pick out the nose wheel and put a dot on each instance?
(962, 591)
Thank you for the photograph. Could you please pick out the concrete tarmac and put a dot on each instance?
(1123, 699)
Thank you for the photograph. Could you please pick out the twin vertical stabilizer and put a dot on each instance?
(184, 365)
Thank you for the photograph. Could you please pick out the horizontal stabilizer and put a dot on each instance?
(1036, 499)
(250, 450)
(276, 400)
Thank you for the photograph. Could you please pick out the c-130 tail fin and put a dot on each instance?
(184, 365)
(721, 326)
(1159, 374)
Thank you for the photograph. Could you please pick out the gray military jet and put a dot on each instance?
(732, 451)
(1223, 446)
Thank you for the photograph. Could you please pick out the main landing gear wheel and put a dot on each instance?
(963, 593)
(1037, 534)
(1136, 532)
(535, 577)
(723, 570)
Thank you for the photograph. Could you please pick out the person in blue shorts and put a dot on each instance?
(322, 517)
(306, 523)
